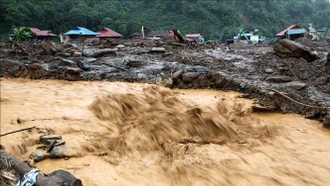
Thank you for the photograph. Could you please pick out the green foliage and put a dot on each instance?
(214, 19)
(22, 34)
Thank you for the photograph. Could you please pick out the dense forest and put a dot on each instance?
(214, 19)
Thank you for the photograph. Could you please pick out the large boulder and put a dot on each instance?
(38, 155)
(49, 48)
(89, 52)
(189, 77)
(287, 48)
(164, 80)
(67, 62)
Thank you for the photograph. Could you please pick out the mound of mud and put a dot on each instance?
(159, 120)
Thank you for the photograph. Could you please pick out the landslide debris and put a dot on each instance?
(298, 69)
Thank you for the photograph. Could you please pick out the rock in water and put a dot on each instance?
(38, 155)
(164, 80)
(287, 48)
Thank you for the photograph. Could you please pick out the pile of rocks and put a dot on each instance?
(50, 146)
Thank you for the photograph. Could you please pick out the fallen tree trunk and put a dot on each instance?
(178, 35)
(21, 167)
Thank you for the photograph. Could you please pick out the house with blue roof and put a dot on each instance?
(80, 33)
(292, 32)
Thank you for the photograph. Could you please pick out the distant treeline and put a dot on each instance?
(214, 19)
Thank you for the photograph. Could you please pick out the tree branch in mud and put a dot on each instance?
(297, 102)
(15, 131)
(178, 35)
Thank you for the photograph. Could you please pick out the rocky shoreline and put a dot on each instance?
(265, 72)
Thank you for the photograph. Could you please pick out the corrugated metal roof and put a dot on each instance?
(296, 31)
(81, 31)
(107, 32)
(39, 32)
(282, 33)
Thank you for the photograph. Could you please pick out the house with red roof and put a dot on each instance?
(108, 33)
(292, 32)
(42, 34)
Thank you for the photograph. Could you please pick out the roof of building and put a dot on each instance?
(296, 31)
(292, 27)
(193, 35)
(81, 31)
(107, 32)
(39, 32)
(323, 29)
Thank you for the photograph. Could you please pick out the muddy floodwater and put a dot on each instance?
(141, 134)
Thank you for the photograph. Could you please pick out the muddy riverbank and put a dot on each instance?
(253, 70)
(142, 134)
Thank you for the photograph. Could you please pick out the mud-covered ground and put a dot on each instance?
(253, 70)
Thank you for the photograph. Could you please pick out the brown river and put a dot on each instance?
(141, 134)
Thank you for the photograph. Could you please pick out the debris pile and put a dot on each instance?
(15, 171)
(56, 178)
(50, 146)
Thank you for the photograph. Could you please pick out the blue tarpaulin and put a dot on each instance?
(296, 31)
(81, 31)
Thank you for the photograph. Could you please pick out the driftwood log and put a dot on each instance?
(20, 130)
(53, 180)
(178, 35)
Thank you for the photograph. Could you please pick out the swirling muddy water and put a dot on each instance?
(141, 134)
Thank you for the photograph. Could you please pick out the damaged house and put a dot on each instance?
(148, 33)
(292, 32)
(42, 34)
(108, 33)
